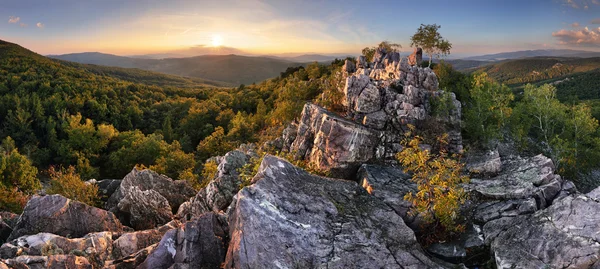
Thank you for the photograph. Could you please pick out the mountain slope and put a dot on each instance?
(233, 69)
(534, 53)
(529, 70)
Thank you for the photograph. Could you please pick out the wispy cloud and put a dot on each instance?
(575, 25)
(23, 24)
(581, 4)
(13, 19)
(584, 37)
(40, 25)
(595, 21)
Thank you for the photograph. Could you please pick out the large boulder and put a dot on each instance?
(332, 143)
(219, 192)
(61, 216)
(197, 244)
(564, 235)
(291, 219)
(144, 192)
(130, 243)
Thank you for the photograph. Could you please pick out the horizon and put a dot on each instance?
(260, 28)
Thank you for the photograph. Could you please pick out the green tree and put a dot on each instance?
(16, 170)
(488, 110)
(431, 41)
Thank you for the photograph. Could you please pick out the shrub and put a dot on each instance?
(68, 183)
(439, 195)
(12, 200)
(208, 173)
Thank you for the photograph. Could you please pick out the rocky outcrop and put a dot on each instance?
(291, 219)
(50, 262)
(132, 261)
(146, 199)
(381, 99)
(130, 243)
(198, 244)
(219, 192)
(486, 163)
(67, 218)
(564, 235)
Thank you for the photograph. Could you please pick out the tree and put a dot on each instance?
(68, 183)
(16, 170)
(430, 40)
(488, 109)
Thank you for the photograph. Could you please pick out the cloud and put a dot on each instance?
(23, 24)
(40, 25)
(595, 21)
(575, 25)
(584, 37)
(13, 19)
(585, 4)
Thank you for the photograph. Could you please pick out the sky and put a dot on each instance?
(259, 27)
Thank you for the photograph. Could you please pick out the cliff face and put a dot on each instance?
(381, 99)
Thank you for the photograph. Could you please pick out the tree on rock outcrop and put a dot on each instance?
(431, 41)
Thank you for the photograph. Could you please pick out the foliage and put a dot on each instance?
(12, 200)
(49, 249)
(439, 195)
(16, 170)
(209, 172)
(451, 80)
(66, 182)
(431, 41)
(488, 110)
(249, 170)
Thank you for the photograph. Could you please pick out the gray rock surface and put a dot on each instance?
(484, 163)
(136, 185)
(49, 262)
(197, 244)
(107, 187)
(564, 235)
(219, 192)
(291, 219)
(130, 243)
(68, 218)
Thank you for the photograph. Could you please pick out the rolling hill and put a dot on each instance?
(232, 69)
(534, 53)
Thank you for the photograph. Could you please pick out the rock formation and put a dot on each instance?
(291, 219)
(416, 58)
(381, 98)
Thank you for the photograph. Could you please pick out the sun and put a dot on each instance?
(217, 41)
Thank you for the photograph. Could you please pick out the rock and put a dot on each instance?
(219, 192)
(291, 219)
(361, 62)
(369, 100)
(332, 143)
(146, 209)
(416, 57)
(107, 187)
(564, 235)
(198, 244)
(136, 185)
(95, 246)
(375, 120)
(132, 261)
(488, 163)
(5, 231)
(68, 218)
(9, 218)
(50, 262)
(348, 67)
(130, 243)
(352, 89)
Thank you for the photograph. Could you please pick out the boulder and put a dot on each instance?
(564, 235)
(291, 219)
(219, 192)
(50, 262)
(132, 261)
(368, 100)
(484, 163)
(136, 185)
(68, 218)
(197, 244)
(349, 67)
(107, 187)
(332, 143)
(416, 58)
(375, 120)
(95, 246)
(146, 209)
(130, 243)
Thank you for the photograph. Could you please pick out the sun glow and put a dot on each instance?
(217, 41)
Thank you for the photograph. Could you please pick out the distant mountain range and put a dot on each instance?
(232, 69)
(534, 53)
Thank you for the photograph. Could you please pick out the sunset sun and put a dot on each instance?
(217, 41)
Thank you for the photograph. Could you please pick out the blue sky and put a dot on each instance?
(129, 27)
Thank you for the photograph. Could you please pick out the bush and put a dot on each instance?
(208, 173)
(439, 195)
(68, 183)
(12, 200)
